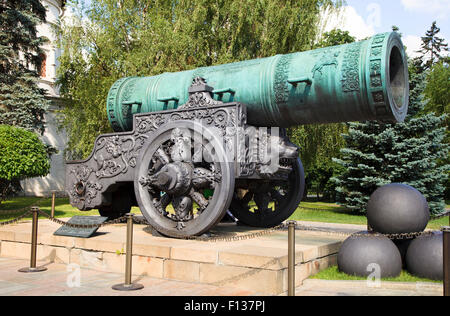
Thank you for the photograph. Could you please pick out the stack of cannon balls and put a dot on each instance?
(394, 209)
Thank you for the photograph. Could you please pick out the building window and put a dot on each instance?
(43, 70)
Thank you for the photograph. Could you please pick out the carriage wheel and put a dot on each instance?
(184, 183)
(265, 204)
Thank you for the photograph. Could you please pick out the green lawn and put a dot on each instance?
(308, 211)
(62, 207)
(334, 274)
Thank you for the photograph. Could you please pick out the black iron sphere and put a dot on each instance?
(397, 208)
(424, 257)
(359, 254)
(402, 245)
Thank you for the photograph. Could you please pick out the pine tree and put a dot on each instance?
(432, 47)
(22, 102)
(409, 152)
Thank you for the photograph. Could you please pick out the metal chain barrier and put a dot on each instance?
(400, 236)
(15, 220)
(298, 227)
(254, 235)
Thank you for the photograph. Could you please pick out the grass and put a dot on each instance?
(334, 274)
(308, 211)
(62, 207)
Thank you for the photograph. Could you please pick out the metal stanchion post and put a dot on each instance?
(446, 255)
(53, 204)
(34, 233)
(128, 286)
(291, 258)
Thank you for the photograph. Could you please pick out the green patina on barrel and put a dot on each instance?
(361, 81)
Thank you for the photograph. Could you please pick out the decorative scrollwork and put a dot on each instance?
(81, 172)
(149, 123)
(281, 87)
(350, 68)
(83, 191)
(200, 95)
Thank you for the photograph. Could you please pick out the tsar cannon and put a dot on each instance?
(189, 146)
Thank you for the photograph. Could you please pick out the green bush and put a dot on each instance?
(22, 155)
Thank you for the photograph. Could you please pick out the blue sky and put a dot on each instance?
(414, 17)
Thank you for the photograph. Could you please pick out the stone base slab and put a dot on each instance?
(258, 265)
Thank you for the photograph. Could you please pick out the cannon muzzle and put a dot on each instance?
(361, 81)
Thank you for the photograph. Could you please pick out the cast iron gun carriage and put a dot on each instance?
(185, 152)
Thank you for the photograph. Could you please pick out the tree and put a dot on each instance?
(432, 47)
(335, 37)
(113, 39)
(22, 102)
(409, 152)
(437, 91)
(22, 155)
(437, 94)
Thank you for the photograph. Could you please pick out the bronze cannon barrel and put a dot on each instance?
(366, 80)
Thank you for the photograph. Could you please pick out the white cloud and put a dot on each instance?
(439, 7)
(348, 20)
(413, 44)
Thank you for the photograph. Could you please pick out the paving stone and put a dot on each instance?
(182, 270)
(361, 288)
(95, 283)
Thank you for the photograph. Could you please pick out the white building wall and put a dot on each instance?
(43, 186)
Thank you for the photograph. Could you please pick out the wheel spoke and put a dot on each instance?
(203, 178)
(199, 199)
(162, 203)
(183, 208)
(262, 200)
(162, 156)
(277, 197)
(247, 198)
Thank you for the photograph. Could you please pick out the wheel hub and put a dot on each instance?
(174, 178)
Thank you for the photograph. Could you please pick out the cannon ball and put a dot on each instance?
(424, 257)
(361, 254)
(397, 208)
(402, 245)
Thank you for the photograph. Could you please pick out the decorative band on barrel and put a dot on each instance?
(387, 78)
